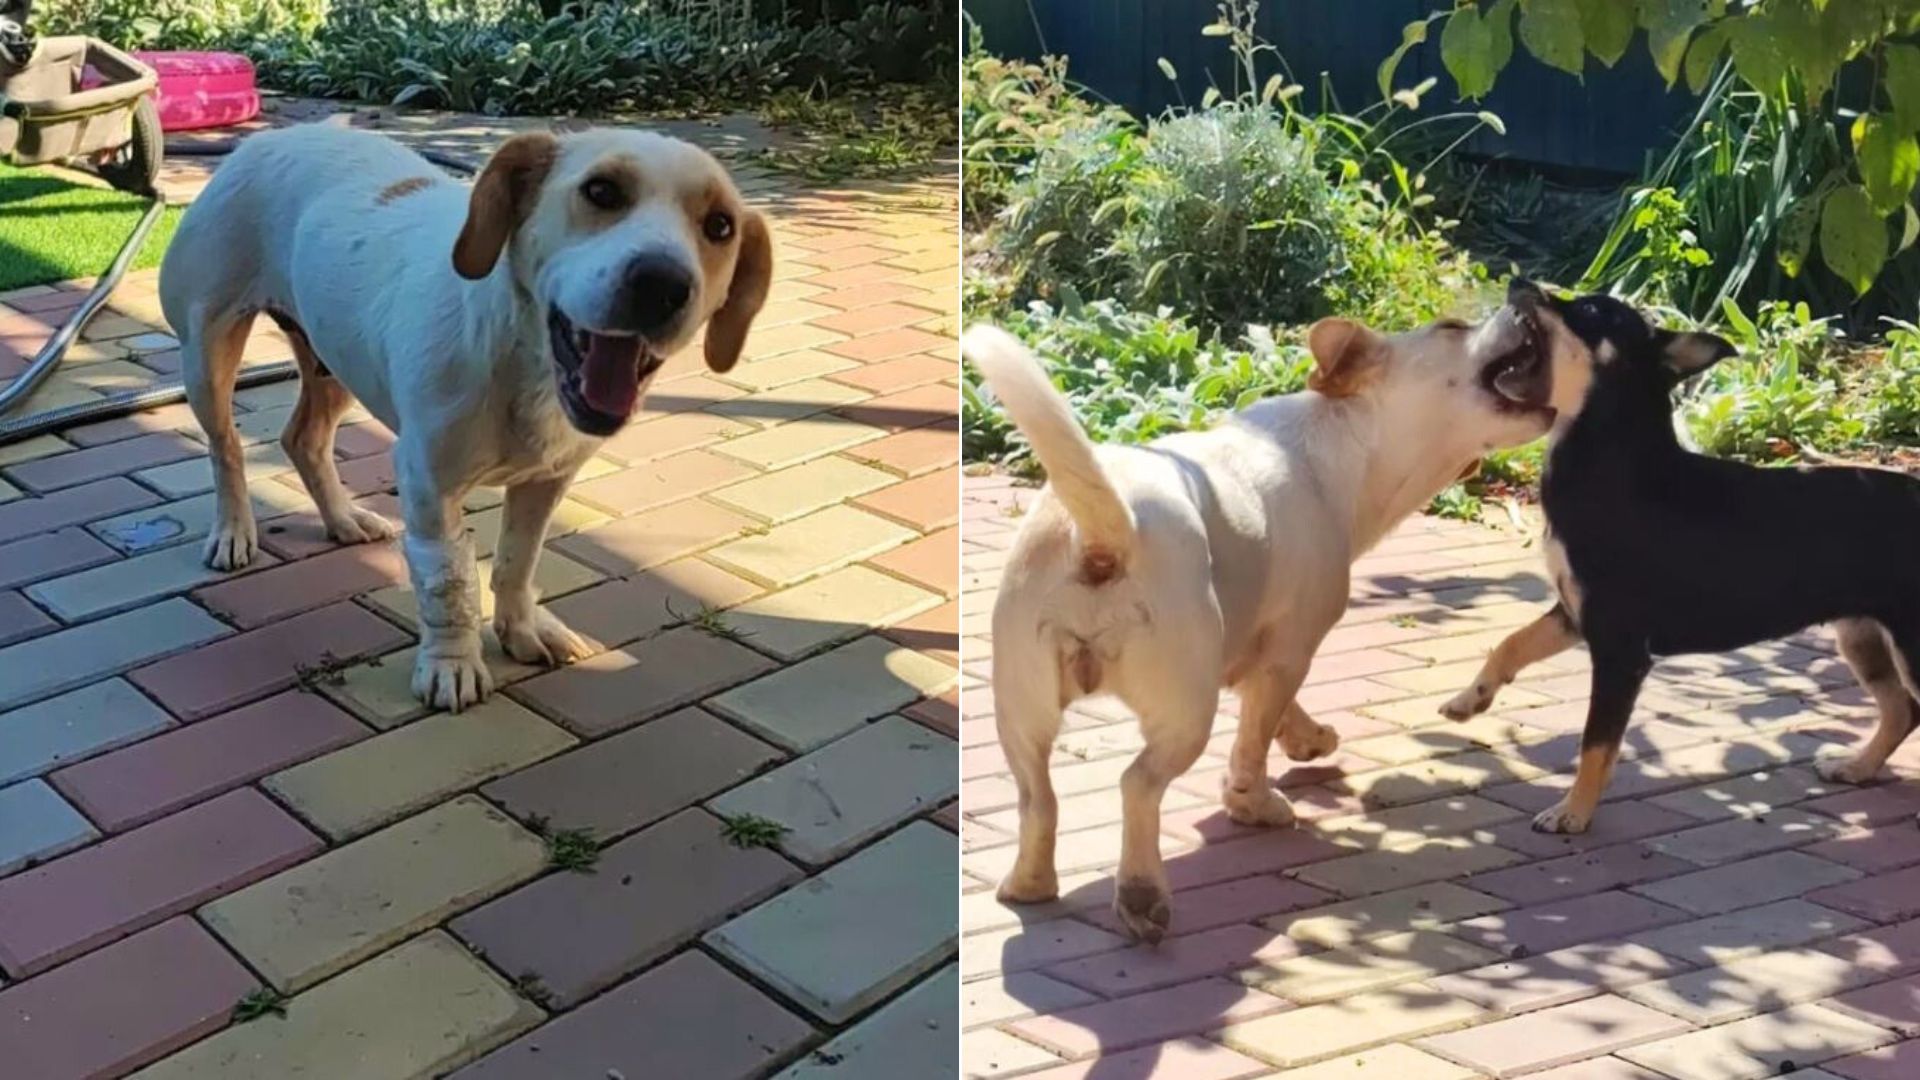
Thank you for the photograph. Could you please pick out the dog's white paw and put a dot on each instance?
(1469, 702)
(1560, 818)
(1260, 805)
(540, 639)
(1845, 769)
(1307, 741)
(451, 682)
(360, 526)
(232, 544)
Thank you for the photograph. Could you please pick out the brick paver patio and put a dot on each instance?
(1730, 916)
(214, 785)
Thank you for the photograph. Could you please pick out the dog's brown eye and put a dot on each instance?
(603, 193)
(718, 227)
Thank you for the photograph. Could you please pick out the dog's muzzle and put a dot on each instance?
(1517, 374)
(600, 374)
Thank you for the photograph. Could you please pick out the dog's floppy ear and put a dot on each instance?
(1692, 352)
(502, 198)
(1345, 353)
(746, 294)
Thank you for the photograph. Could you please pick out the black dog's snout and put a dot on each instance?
(658, 288)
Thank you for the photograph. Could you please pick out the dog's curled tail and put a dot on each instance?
(1043, 415)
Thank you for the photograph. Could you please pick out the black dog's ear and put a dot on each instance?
(1692, 352)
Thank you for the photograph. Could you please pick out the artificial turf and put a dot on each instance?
(52, 229)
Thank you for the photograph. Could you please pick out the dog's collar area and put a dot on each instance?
(599, 374)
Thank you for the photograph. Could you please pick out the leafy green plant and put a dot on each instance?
(861, 132)
(266, 1001)
(1246, 210)
(1789, 52)
(1131, 376)
(505, 57)
(1782, 394)
(1457, 503)
(1009, 110)
(752, 831)
(178, 24)
(572, 849)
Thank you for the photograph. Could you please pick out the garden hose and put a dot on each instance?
(131, 401)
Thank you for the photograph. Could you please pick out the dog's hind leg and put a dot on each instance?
(1549, 635)
(1171, 680)
(308, 441)
(1618, 672)
(209, 362)
(1267, 709)
(1027, 716)
(1877, 661)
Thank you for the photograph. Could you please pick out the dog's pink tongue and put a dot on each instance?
(610, 377)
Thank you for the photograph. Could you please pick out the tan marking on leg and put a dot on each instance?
(1574, 812)
(1876, 664)
(1544, 637)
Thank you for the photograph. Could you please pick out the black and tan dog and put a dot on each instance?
(1656, 550)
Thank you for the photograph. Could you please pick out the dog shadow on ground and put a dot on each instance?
(1269, 924)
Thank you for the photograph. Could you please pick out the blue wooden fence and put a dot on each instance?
(1608, 121)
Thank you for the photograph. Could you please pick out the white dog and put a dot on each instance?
(391, 282)
(1161, 573)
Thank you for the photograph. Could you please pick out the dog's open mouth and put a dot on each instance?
(1518, 377)
(600, 374)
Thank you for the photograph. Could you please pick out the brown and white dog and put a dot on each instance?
(1161, 573)
(502, 332)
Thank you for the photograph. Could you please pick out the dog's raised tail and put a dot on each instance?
(1044, 417)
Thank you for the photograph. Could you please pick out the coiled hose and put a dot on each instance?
(111, 406)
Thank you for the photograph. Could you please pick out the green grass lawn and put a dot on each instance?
(52, 229)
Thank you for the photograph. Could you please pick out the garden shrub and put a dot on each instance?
(507, 57)
(1009, 110)
(1132, 376)
(178, 24)
(1228, 214)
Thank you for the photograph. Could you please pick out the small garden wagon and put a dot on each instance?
(46, 118)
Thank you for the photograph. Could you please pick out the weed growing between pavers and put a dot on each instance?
(573, 849)
(753, 831)
(709, 620)
(265, 1001)
(329, 670)
(534, 989)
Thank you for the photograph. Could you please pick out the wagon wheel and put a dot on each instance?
(136, 166)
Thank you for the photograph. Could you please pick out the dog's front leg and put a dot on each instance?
(1618, 672)
(448, 671)
(528, 632)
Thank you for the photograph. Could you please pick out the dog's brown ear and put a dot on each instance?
(502, 198)
(1346, 355)
(746, 294)
(1468, 473)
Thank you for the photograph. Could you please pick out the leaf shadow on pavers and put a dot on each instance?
(1058, 940)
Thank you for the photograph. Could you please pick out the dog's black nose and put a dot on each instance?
(1521, 291)
(658, 288)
